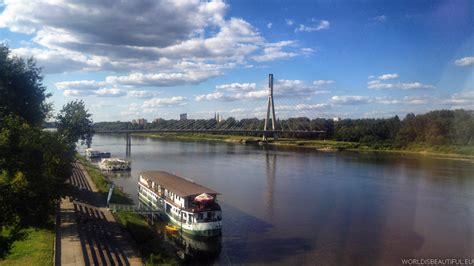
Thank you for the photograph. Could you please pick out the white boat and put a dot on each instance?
(91, 153)
(189, 206)
(114, 164)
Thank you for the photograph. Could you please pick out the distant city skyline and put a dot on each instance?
(159, 59)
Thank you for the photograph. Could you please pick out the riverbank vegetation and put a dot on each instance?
(34, 163)
(103, 183)
(148, 242)
(439, 131)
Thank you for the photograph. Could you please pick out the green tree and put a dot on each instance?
(74, 123)
(22, 91)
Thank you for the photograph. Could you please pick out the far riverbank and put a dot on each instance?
(449, 152)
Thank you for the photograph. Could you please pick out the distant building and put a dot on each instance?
(218, 117)
(140, 121)
(157, 120)
(183, 117)
(336, 119)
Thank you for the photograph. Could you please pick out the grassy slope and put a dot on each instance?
(35, 249)
(102, 183)
(447, 151)
(147, 240)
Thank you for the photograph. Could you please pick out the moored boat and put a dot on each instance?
(94, 154)
(114, 164)
(189, 206)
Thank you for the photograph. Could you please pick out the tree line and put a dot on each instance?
(439, 127)
(34, 163)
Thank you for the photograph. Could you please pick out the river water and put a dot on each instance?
(299, 206)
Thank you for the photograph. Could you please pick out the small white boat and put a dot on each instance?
(114, 164)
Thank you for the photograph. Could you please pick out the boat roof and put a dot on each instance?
(178, 185)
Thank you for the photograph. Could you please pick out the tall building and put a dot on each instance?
(183, 117)
(140, 121)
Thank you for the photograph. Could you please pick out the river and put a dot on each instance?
(300, 206)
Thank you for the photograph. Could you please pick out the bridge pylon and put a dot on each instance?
(270, 110)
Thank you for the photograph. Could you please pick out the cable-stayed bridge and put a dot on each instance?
(269, 129)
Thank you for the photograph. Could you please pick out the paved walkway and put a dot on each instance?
(88, 232)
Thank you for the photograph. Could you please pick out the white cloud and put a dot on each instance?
(79, 85)
(77, 93)
(323, 24)
(461, 99)
(350, 99)
(274, 51)
(237, 86)
(281, 88)
(307, 51)
(322, 82)
(141, 94)
(209, 97)
(302, 107)
(110, 92)
(160, 36)
(465, 61)
(378, 85)
(407, 100)
(289, 22)
(269, 25)
(164, 102)
(388, 76)
(160, 79)
(381, 18)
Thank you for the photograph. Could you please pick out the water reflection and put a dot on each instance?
(297, 206)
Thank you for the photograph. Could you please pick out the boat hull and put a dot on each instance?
(211, 229)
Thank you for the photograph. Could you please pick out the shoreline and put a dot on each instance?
(317, 145)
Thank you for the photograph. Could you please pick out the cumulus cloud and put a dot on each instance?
(388, 76)
(289, 22)
(79, 85)
(350, 99)
(161, 36)
(378, 85)
(322, 82)
(164, 102)
(141, 94)
(461, 99)
(323, 24)
(110, 92)
(465, 61)
(269, 25)
(274, 51)
(160, 79)
(237, 86)
(281, 88)
(407, 100)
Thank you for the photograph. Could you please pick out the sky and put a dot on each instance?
(157, 59)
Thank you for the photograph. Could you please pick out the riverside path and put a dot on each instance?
(87, 233)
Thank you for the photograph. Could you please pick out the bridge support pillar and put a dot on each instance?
(270, 110)
(128, 145)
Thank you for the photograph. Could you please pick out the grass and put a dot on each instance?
(148, 242)
(36, 247)
(103, 184)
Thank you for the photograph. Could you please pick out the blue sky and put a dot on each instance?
(349, 59)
